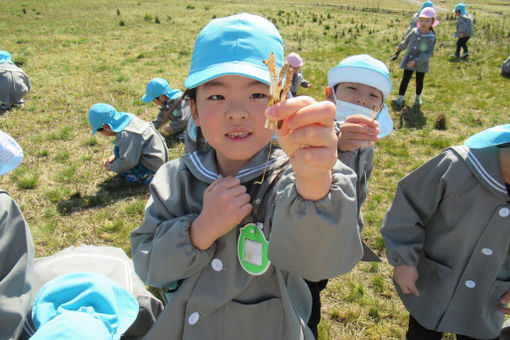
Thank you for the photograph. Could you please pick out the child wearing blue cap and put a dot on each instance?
(239, 224)
(420, 43)
(139, 148)
(14, 83)
(173, 105)
(464, 30)
(447, 235)
(358, 86)
(16, 250)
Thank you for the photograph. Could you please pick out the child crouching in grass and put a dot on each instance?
(139, 148)
(236, 236)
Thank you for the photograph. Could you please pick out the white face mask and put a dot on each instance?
(346, 109)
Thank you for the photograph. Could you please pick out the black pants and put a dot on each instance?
(405, 81)
(418, 332)
(315, 317)
(462, 42)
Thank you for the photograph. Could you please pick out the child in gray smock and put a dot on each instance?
(236, 236)
(447, 234)
(16, 250)
(160, 93)
(464, 30)
(420, 43)
(358, 86)
(14, 83)
(139, 148)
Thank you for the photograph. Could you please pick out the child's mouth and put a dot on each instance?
(237, 134)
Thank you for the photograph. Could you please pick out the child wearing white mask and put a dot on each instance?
(358, 86)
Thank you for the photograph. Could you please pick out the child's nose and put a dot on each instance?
(237, 112)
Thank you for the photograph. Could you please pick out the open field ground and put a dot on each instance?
(78, 53)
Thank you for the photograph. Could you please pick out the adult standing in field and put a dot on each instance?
(420, 43)
(464, 30)
(14, 83)
(16, 250)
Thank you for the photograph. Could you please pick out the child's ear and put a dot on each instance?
(194, 112)
(329, 94)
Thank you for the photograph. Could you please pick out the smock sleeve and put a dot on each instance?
(418, 197)
(316, 239)
(130, 149)
(16, 266)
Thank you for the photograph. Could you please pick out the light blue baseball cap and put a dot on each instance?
(11, 153)
(83, 305)
(5, 57)
(363, 69)
(101, 113)
(425, 5)
(497, 135)
(234, 45)
(460, 7)
(158, 86)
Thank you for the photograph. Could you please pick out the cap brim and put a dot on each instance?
(491, 137)
(147, 99)
(231, 68)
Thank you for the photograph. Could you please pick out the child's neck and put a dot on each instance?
(504, 163)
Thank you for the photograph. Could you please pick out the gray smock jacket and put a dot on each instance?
(451, 219)
(419, 48)
(464, 25)
(217, 299)
(16, 266)
(14, 84)
(139, 142)
(179, 115)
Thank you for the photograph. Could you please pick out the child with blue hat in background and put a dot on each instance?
(14, 83)
(239, 224)
(139, 148)
(173, 105)
(82, 305)
(447, 235)
(16, 250)
(358, 86)
(464, 29)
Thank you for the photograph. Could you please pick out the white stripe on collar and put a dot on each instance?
(200, 167)
(485, 175)
(243, 172)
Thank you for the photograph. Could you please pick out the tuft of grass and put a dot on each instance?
(65, 133)
(25, 177)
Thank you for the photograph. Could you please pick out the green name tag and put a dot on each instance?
(252, 249)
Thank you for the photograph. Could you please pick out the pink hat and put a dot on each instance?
(429, 12)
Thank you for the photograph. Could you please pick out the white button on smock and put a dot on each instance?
(470, 284)
(217, 265)
(193, 318)
(487, 251)
(504, 212)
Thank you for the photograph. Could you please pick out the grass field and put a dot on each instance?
(78, 53)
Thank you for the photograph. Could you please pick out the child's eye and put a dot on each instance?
(352, 88)
(258, 95)
(216, 97)
(374, 95)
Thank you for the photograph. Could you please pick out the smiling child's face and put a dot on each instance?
(230, 112)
